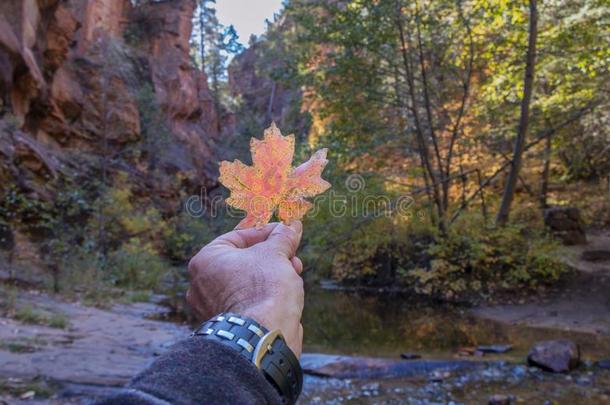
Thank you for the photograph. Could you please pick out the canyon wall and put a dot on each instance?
(72, 77)
(97, 95)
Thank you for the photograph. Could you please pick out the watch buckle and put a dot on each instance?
(264, 346)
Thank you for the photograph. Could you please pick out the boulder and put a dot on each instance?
(410, 356)
(596, 255)
(558, 356)
(497, 348)
(326, 365)
(566, 224)
(499, 399)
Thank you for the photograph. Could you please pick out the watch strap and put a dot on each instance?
(267, 350)
(240, 333)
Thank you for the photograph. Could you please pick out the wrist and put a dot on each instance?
(266, 349)
(270, 315)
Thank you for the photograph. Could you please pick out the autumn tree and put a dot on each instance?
(390, 71)
(528, 84)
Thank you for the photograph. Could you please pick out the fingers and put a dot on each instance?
(297, 264)
(244, 238)
(285, 239)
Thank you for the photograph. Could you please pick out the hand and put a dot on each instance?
(254, 273)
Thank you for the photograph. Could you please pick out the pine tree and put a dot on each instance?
(212, 46)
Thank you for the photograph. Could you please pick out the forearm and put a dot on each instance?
(197, 371)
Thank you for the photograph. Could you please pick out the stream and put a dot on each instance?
(385, 326)
(379, 325)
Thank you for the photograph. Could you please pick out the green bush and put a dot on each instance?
(59, 321)
(138, 296)
(136, 265)
(470, 260)
(185, 235)
(29, 314)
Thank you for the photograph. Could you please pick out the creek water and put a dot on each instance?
(388, 325)
(384, 325)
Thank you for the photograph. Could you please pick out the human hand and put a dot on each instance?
(254, 273)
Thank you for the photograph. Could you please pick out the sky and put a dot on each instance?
(247, 16)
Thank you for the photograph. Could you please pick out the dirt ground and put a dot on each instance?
(582, 304)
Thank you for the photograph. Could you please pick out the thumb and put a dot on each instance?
(285, 239)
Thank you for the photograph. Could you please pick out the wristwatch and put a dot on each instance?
(267, 350)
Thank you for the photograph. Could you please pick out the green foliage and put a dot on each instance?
(92, 242)
(8, 298)
(29, 314)
(16, 347)
(212, 44)
(358, 216)
(41, 387)
(136, 265)
(123, 216)
(18, 209)
(185, 235)
(474, 259)
(59, 321)
(155, 135)
(139, 296)
(469, 261)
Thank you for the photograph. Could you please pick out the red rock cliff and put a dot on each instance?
(72, 73)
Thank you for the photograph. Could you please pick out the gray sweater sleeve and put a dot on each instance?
(198, 371)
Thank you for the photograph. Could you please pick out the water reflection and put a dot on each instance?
(365, 324)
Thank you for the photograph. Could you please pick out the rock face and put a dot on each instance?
(566, 224)
(76, 72)
(558, 356)
(84, 82)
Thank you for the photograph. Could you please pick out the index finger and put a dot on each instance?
(244, 238)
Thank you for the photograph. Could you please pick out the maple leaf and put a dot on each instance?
(271, 183)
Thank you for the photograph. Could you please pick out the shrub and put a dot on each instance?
(136, 265)
(59, 321)
(184, 236)
(139, 296)
(471, 260)
(28, 314)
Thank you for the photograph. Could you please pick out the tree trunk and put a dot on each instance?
(271, 102)
(202, 35)
(528, 84)
(544, 181)
(421, 140)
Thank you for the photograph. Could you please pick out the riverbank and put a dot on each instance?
(55, 351)
(581, 303)
(95, 351)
